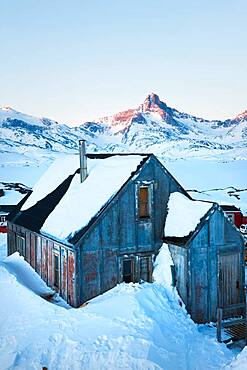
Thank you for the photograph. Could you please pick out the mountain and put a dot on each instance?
(154, 126)
(35, 139)
(151, 127)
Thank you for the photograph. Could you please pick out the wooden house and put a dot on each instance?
(86, 229)
(208, 254)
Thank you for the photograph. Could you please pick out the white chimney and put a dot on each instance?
(83, 160)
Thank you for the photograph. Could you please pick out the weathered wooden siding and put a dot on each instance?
(215, 269)
(180, 259)
(120, 232)
(39, 253)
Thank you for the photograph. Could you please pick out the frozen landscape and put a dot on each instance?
(205, 156)
(132, 326)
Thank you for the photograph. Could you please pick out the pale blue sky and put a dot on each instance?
(75, 60)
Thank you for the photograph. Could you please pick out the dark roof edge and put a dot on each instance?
(107, 155)
(228, 207)
(181, 241)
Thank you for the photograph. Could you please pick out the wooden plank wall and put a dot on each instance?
(39, 253)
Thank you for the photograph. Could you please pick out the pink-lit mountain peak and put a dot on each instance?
(242, 116)
(152, 103)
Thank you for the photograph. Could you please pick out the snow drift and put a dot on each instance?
(130, 327)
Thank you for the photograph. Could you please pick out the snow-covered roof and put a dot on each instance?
(184, 215)
(12, 193)
(59, 170)
(82, 201)
(11, 197)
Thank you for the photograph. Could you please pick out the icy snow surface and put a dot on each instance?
(3, 245)
(240, 363)
(183, 215)
(130, 327)
(82, 201)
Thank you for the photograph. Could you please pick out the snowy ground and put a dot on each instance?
(130, 327)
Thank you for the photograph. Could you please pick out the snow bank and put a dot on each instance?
(184, 215)
(130, 327)
(3, 246)
(25, 274)
(83, 201)
(240, 363)
(162, 267)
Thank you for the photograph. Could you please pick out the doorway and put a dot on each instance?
(128, 270)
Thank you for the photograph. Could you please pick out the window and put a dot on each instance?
(20, 244)
(231, 217)
(56, 274)
(128, 267)
(143, 202)
(145, 269)
(137, 268)
(2, 218)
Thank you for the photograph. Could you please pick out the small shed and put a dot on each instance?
(208, 254)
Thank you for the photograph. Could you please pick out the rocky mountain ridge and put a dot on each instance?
(151, 127)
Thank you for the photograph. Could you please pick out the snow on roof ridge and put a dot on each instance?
(83, 201)
(184, 215)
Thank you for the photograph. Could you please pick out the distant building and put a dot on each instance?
(3, 221)
(234, 214)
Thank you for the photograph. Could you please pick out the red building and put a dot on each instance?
(235, 215)
(3, 222)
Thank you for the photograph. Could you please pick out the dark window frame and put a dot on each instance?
(140, 268)
(21, 244)
(144, 206)
(128, 277)
(56, 270)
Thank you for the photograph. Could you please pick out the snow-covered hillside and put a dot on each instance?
(157, 128)
(133, 326)
(151, 127)
(202, 154)
(27, 139)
